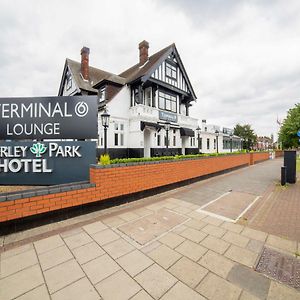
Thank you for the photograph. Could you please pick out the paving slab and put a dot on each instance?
(79, 290)
(216, 288)
(118, 248)
(255, 246)
(113, 221)
(215, 244)
(171, 239)
(94, 227)
(188, 272)
(20, 282)
(164, 256)
(134, 262)
(214, 230)
(282, 244)
(196, 224)
(156, 281)
(87, 252)
(38, 293)
(141, 295)
(100, 268)
(180, 291)
(118, 286)
(216, 263)
(236, 239)
(237, 228)
(279, 291)
(62, 275)
(17, 263)
(54, 257)
(241, 255)
(105, 236)
(213, 221)
(17, 250)
(48, 244)
(254, 234)
(77, 240)
(191, 250)
(193, 235)
(249, 280)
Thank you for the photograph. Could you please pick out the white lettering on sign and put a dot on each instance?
(33, 129)
(14, 158)
(17, 165)
(34, 110)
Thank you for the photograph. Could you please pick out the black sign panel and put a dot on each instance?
(72, 117)
(45, 163)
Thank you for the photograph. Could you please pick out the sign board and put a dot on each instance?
(45, 163)
(298, 133)
(72, 117)
(167, 116)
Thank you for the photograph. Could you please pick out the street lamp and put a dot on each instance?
(167, 128)
(105, 123)
(217, 138)
(230, 141)
(198, 130)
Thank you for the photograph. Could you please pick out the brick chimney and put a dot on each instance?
(85, 52)
(143, 47)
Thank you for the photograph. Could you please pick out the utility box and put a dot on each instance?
(289, 162)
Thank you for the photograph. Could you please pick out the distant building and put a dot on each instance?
(264, 143)
(212, 134)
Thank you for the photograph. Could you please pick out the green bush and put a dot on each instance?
(104, 160)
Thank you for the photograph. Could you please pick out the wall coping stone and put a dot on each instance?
(54, 189)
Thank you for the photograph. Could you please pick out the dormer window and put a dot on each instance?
(171, 70)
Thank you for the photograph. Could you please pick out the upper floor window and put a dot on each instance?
(171, 71)
(69, 81)
(101, 94)
(167, 102)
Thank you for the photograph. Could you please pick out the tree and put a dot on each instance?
(288, 130)
(247, 134)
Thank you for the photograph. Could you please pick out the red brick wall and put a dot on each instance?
(259, 156)
(278, 153)
(118, 181)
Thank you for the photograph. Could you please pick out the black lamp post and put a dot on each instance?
(105, 123)
(217, 140)
(167, 128)
(230, 141)
(198, 130)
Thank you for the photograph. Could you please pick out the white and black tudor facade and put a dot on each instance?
(140, 101)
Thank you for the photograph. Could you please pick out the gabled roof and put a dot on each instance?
(143, 72)
(135, 73)
(138, 70)
(96, 75)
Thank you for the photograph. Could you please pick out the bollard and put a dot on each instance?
(283, 175)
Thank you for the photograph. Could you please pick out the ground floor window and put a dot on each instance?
(193, 142)
(119, 134)
(207, 144)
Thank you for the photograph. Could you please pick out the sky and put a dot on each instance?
(242, 57)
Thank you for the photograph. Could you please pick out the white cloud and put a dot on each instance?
(242, 57)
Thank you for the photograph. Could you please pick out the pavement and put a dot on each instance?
(175, 245)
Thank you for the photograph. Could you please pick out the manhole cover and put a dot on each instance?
(282, 267)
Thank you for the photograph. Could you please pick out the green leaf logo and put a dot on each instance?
(38, 149)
